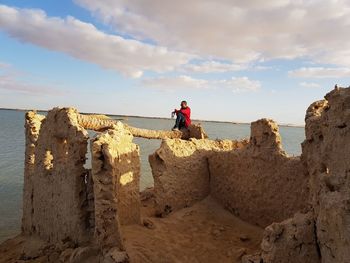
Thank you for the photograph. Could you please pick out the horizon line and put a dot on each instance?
(155, 117)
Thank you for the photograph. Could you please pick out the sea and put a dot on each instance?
(12, 156)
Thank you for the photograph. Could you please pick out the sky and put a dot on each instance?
(232, 60)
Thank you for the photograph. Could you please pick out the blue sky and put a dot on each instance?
(239, 62)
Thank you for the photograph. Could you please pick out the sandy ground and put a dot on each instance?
(11, 251)
(204, 232)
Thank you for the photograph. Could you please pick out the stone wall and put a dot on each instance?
(116, 176)
(32, 129)
(181, 173)
(326, 154)
(291, 241)
(256, 180)
(67, 205)
(55, 190)
(325, 157)
(259, 183)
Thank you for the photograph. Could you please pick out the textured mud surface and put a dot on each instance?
(209, 201)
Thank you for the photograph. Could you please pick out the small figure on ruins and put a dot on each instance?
(183, 116)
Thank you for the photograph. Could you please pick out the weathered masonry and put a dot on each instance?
(302, 202)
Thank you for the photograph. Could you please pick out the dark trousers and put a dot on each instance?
(180, 121)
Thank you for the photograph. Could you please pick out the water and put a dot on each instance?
(12, 157)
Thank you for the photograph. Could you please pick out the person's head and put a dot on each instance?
(183, 104)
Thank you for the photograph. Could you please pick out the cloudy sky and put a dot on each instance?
(232, 60)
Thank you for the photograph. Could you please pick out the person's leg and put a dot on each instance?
(182, 123)
(180, 120)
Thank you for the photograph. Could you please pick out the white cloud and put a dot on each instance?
(16, 85)
(84, 41)
(15, 81)
(174, 83)
(239, 84)
(212, 67)
(240, 30)
(320, 72)
(261, 68)
(309, 85)
(4, 65)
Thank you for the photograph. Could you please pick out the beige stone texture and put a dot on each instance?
(291, 241)
(32, 129)
(116, 176)
(181, 173)
(326, 154)
(98, 123)
(259, 182)
(71, 214)
(55, 196)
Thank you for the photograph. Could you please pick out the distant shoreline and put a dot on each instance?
(162, 118)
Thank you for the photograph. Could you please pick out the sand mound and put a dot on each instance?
(205, 232)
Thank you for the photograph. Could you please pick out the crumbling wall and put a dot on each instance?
(180, 171)
(259, 183)
(60, 196)
(326, 154)
(55, 189)
(291, 241)
(116, 176)
(32, 129)
(102, 123)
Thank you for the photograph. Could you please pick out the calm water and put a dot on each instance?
(12, 157)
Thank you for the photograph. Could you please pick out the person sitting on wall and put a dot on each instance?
(183, 116)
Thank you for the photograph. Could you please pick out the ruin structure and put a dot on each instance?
(292, 209)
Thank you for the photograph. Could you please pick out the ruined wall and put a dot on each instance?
(291, 241)
(55, 189)
(101, 123)
(326, 154)
(116, 176)
(255, 180)
(180, 171)
(60, 195)
(259, 183)
(32, 129)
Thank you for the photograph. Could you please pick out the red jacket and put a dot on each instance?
(187, 113)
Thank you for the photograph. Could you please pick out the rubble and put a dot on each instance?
(210, 201)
